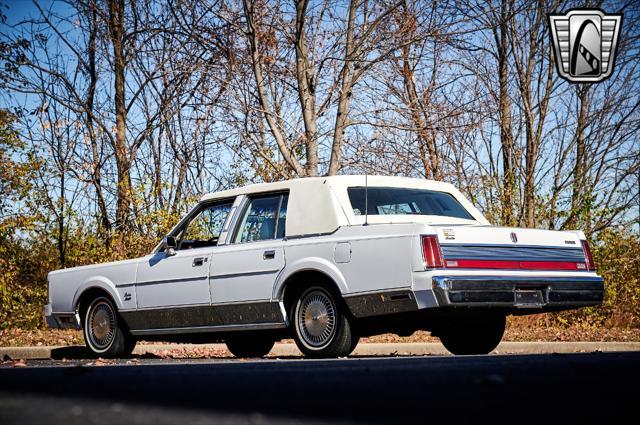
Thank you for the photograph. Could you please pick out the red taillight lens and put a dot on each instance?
(587, 256)
(431, 252)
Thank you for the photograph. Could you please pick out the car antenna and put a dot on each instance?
(366, 200)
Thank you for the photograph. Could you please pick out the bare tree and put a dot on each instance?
(534, 70)
(352, 51)
(167, 100)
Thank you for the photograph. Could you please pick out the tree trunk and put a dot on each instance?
(306, 90)
(123, 159)
(580, 189)
(527, 75)
(344, 97)
(260, 80)
(103, 219)
(430, 156)
(61, 222)
(506, 137)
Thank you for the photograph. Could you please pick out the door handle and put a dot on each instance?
(269, 255)
(197, 262)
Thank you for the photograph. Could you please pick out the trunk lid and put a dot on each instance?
(488, 247)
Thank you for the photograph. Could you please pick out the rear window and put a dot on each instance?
(398, 201)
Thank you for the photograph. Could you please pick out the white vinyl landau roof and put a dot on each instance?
(319, 205)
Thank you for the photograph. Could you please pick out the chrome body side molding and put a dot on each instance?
(206, 329)
(204, 318)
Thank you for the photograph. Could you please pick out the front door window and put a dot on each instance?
(205, 229)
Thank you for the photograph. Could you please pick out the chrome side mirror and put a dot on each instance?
(170, 245)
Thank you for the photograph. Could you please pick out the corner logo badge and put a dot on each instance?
(585, 42)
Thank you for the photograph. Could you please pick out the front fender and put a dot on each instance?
(100, 282)
(310, 264)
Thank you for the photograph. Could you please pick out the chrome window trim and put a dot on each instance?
(227, 229)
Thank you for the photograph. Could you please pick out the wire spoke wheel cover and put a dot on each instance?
(101, 325)
(317, 318)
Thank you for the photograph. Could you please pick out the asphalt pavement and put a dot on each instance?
(548, 388)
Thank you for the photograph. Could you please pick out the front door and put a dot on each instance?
(180, 279)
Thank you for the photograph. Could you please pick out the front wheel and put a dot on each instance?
(322, 328)
(104, 335)
(473, 335)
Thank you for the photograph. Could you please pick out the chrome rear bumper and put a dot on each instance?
(518, 292)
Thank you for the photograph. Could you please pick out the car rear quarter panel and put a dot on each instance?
(358, 259)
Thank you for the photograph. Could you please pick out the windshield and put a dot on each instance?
(397, 200)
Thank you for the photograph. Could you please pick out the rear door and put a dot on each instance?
(245, 269)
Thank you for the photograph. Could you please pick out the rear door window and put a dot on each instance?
(264, 218)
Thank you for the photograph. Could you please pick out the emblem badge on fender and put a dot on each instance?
(514, 237)
(585, 42)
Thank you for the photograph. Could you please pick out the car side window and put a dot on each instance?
(264, 218)
(205, 229)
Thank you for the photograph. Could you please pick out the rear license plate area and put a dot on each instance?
(529, 298)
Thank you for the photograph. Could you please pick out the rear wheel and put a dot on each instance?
(104, 335)
(473, 335)
(322, 327)
(250, 346)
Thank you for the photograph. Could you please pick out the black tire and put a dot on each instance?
(321, 325)
(104, 332)
(250, 346)
(354, 343)
(473, 335)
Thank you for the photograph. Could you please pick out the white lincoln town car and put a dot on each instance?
(327, 260)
